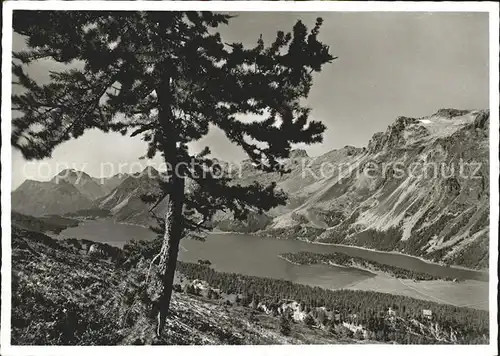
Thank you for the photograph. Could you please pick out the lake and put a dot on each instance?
(252, 255)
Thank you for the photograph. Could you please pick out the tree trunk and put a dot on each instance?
(170, 249)
(173, 216)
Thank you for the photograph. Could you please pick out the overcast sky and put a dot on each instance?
(389, 64)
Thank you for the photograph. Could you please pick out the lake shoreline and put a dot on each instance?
(480, 274)
(240, 253)
(221, 232)
(403, 254)
(486, 272)
(420, 288)
(374, 272)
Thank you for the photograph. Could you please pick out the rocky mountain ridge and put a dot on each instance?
(125, 203)
(46, 198)
(82, 181)
(421, 188)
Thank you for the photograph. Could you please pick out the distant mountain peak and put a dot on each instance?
(67, 171)
(125, 202)
(298, 153)
(150, 169)
(352, 150)
(148, 172)
(43, 198)
(451, 113)
(120, 175)
(71, 172)
(406, 131)
(27, 184)
(87, 185)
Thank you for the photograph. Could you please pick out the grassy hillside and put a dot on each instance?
(62, 296)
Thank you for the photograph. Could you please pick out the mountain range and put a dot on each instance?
(125, 203)
(67, 192)
(420, 188)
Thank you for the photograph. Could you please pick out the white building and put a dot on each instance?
(427, 313)
(391, 312)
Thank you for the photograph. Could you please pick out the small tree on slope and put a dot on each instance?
(168, 76)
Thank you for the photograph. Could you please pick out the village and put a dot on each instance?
(320, 317)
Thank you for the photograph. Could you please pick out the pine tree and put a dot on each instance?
(168, 76)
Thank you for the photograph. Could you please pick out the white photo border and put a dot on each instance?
(308, 6)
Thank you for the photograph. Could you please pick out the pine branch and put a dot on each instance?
(168, 77)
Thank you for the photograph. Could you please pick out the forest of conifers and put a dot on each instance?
(470, 325)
